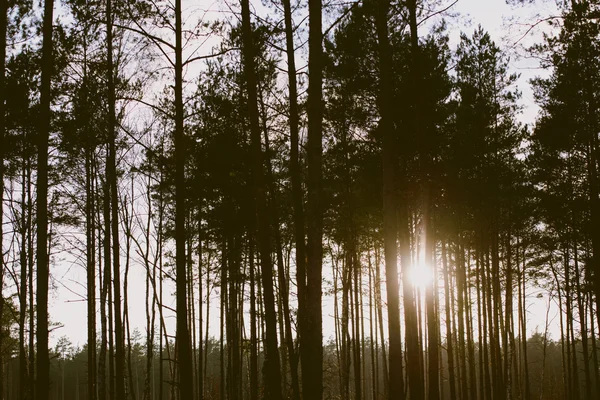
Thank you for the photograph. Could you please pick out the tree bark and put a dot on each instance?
(43, 271)
(23, 379)
(184, 356)
(295, 177)
(312, 356)
(111, 176)
(3, 31)
(449, 316)
(286, 331)
(91, 271)
(272, 363)
(390, 228)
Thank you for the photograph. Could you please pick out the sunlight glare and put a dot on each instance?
(420, 275)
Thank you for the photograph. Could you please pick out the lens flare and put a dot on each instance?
(420, 275)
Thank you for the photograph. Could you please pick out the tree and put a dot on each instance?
(186, 386)
(43, 360)
(312, 346)
(390, 218)
(272, 367)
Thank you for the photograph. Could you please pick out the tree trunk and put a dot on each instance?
(104, 279)
(161, 207)
(449, 316)
(91, 272)
(3, 31)
(295, 177)
(460, 284)
(184, 356)
(390, 229)
(272, 364)
(31, 266)
(253, 324)
(414, 355)
(312, 356)
(380, 321)
(428, 244)
(281, 276)
(111, 176)
(200, 301)
(43, 272)
(23, 381)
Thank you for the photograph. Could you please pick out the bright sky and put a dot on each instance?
(505, 23)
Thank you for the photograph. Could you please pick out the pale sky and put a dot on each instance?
(494, 15)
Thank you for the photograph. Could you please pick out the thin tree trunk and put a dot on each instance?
(109, 279)
(460, 283)
(233, 333)
(223, 314)
(356, 334)
(281, 276)
(297, 202)
(23, 381)
(594, 348)
(200, 301)
(128, 221)
(523, 324)
(161, 207)
(449, 313)
(103, 281)
(582, 326)
(206, 330)
(31, 265)
(90, 230)
(470, 339)
(508, 324)
(482, 357)
(111, 176)
(91, 277)
(150, 308)
(345, 365)
(380, 321)
(253, 324)
(3, 31)
(372, 334)
(337, 320)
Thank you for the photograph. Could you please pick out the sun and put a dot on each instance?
(420, 275)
